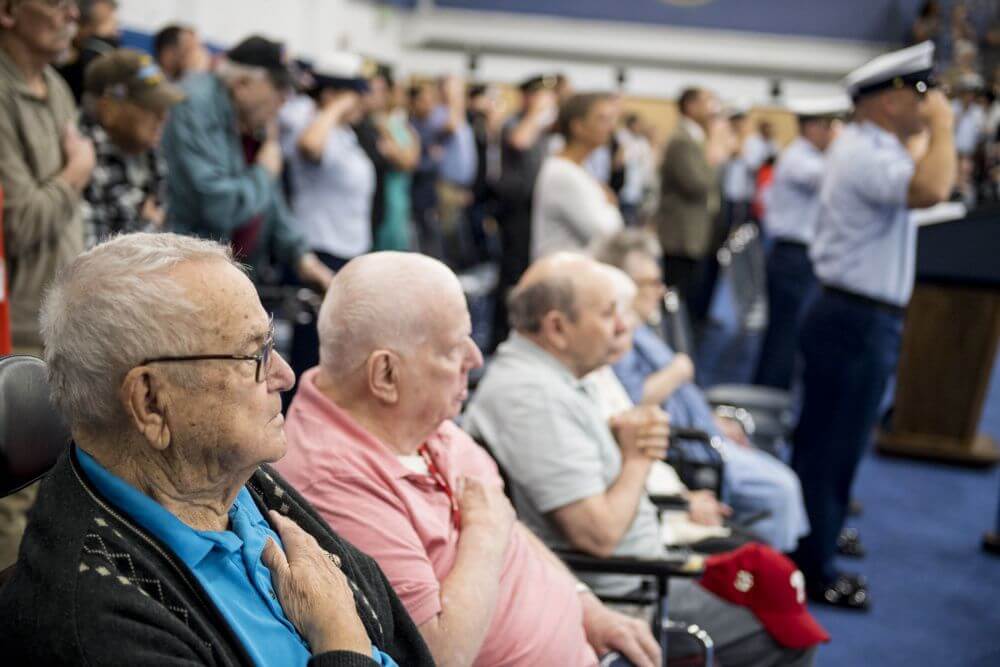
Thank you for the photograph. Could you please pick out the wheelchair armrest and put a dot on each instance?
(697, 474)
(680, 564)
(670, 503)
(750, 397)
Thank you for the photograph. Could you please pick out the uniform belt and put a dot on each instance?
(792, 243)
(884, 306)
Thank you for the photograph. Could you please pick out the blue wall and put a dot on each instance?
(864, 20)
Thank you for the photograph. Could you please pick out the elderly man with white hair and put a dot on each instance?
(373, 447)
(161, 536)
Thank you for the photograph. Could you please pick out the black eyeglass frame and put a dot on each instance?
(262, 357)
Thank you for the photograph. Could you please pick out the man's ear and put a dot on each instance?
(144, 399)
(553, 329)
(383, 376)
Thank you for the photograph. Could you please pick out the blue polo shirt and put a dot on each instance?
(227, 564)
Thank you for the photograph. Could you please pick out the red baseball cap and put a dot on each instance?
(768, 584)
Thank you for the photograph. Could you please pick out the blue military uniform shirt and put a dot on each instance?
(793, 204)
(865, 242)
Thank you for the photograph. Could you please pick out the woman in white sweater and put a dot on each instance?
(571, 208)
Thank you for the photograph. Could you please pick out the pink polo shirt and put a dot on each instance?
(403, 520)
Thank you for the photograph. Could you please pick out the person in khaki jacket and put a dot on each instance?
(689, 197)
(44, 166)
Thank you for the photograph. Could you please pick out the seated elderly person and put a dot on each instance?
(577, 481)
(703, 523)
(160, 536)
(373, 447)
(652, 374)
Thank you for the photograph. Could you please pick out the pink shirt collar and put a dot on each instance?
(317, 404)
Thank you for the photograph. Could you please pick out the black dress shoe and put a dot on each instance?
(846, 591)
(849, 544)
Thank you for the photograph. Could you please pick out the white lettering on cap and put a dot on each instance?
(798, 582)
(744, 581)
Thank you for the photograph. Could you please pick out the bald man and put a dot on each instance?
(578, 480)
(372, 445)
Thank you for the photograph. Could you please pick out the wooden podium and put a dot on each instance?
(949, 344)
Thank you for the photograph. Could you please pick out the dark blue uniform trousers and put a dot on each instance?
(850, 346)
(791, 285)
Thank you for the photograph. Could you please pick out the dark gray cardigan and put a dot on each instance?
(92, 588)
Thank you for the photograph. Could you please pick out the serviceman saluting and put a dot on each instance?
(791, 220)
(864, 256)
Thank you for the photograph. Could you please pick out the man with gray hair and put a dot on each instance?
(161, 526)
(371, 427)
(579, 480)
(224, 159)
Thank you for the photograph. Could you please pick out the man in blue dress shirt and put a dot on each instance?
(790, 220)
(863, 255)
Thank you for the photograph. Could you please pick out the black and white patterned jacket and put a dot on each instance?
(92, 588)
(119, 187)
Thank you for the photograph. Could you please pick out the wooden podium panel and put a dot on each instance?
(949, 348)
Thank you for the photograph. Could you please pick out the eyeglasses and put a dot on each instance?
(262, 356)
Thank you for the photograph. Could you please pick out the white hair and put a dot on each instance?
(378, 301)
(112, 307)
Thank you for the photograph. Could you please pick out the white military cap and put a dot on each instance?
(820, 107)
(342, 69)
(909, 67)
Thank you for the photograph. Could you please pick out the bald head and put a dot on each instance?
(551, 283)
(567, 304)
(396, 347)
(381, 300)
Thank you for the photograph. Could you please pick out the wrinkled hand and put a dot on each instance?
(609, 630)
(642, 432)
(705, 509)
(485, 507)
(313, 591)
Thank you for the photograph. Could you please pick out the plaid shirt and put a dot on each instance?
(118, 188)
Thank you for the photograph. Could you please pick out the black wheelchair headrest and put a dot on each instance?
(32, 432)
